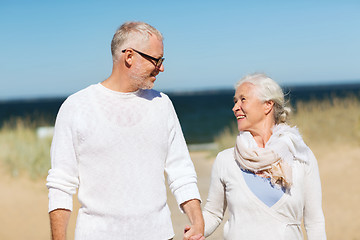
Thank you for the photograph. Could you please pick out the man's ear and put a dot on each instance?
(129, 57)
(268, 106)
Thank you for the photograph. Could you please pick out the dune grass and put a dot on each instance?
(323, 122)
(333, 121)
(330, 121)
(21, 151)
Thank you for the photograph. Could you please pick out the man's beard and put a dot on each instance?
(140, 80)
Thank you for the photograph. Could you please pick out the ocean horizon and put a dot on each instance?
(203, 114)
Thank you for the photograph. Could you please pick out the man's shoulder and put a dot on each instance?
(79, 96)
(83, 91)
(152, 94)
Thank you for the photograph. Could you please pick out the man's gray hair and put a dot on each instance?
(131, 33)
(268, 90)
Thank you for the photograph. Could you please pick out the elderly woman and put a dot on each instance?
(270, 180)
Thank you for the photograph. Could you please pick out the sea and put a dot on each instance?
(203, 115)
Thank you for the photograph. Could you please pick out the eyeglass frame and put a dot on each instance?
(158, 61)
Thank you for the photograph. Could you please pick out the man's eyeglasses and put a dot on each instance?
(158, 61)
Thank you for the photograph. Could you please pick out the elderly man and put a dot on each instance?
(113, 141)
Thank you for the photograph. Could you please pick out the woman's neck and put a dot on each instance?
(263, 135)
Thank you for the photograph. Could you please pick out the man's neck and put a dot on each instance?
(119, 83)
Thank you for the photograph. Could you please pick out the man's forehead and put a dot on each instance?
(156, 45)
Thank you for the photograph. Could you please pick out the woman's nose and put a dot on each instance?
(235, 108)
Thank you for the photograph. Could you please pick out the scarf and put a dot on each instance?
(275, 160)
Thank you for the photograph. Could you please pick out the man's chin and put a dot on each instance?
(149, 85)
(143, 84)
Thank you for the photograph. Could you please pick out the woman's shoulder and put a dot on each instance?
(227, 152)
(224, 163)
(225, 156)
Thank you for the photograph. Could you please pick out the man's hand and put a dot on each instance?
(59, 219)
(193, 211)
(194, 237)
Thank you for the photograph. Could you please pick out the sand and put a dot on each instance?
(24, 202)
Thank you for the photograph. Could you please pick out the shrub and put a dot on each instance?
(21, 151)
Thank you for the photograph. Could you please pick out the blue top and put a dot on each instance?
(262, 188)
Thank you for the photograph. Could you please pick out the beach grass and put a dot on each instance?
(331, 121)
(321, 122)
(22, 151)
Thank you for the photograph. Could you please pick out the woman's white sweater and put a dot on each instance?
(250, 218)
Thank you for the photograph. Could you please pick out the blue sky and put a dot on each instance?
(55, 48)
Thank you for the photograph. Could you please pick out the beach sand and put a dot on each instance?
(24, 202)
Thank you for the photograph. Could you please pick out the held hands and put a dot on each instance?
(193, 233)
(193, 211)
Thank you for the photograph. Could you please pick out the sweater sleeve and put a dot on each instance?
(313, 215)
(179, 168)
(216, 204)
(62, 180)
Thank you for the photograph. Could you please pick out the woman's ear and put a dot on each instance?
(268, 106)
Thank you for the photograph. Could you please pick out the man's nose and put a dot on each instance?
(161, 68)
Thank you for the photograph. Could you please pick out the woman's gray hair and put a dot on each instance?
(268, 90)
(131, 33)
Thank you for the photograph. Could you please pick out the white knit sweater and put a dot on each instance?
(250, 218)
(114, 147)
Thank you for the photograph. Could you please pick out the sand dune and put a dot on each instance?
(24, 202)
